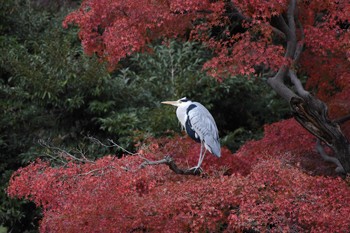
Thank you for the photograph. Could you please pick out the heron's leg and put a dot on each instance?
(201, 157)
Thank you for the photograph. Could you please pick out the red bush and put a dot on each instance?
(262, 187)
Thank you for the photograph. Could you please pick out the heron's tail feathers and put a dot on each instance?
(213, 146)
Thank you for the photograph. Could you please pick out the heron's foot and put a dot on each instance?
(196, 169)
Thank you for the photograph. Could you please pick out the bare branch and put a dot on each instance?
(328, 158)
(290, 16)
(300, 44)
(113, 144)
(291, 36)
(343, 119)
(97, 171)
(172, 165)
(298, 85)
(167, 160)
(282, 24)
(277, 83)
(63, 153)
(278, 32)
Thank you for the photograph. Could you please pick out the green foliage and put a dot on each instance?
(46, 86)
(174, 70)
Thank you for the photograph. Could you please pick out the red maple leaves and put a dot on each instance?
(267, 185)
(116, 29)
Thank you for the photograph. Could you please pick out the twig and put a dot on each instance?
(328, 158)
(97, 170)
(167, 160)
(62, 152)
(113, 144)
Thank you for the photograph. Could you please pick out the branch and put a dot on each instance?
(328, 158)
(300, 45)
(113, 144)
(291, 36)
(277, 83)
(172, 165)
(278, 32)
(341, 120)
(282, 24)
(298, 85)
(63, 153)
(290, 16)
(167, 160)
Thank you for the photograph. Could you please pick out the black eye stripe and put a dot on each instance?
(184, 99)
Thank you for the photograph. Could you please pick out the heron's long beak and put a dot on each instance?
(174, 103)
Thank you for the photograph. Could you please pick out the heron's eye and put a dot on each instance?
(184, 99)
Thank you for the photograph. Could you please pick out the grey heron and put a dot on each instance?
(199, 124)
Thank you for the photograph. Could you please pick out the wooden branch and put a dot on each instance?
(282, 24)
(328, 158)
(172, 165)
(277, 83)
(341, 120)
(278, 32)
(290, 16)
(300, 45)
(291, 36)
(298, 85)
(63, 153)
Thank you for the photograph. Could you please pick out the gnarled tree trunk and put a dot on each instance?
(309, 111)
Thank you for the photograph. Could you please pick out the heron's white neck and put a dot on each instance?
(181, 112)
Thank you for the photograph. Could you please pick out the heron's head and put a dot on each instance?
(177, 103)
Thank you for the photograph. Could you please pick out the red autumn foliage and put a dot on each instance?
(114, 29)
(276, 184)
(266, 186)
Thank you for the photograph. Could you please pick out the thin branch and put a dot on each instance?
(63, 153)
(94, 171)
(278, 32)
(300, 45)
(167, 160)
(53, 158)
(328, 158)
(113, 144)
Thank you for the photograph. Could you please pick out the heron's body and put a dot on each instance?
(199, 125)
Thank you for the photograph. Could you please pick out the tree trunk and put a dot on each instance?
(311, 113)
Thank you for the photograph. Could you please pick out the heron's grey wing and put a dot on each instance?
(204, 126)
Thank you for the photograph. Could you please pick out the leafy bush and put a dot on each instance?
(257, 189)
